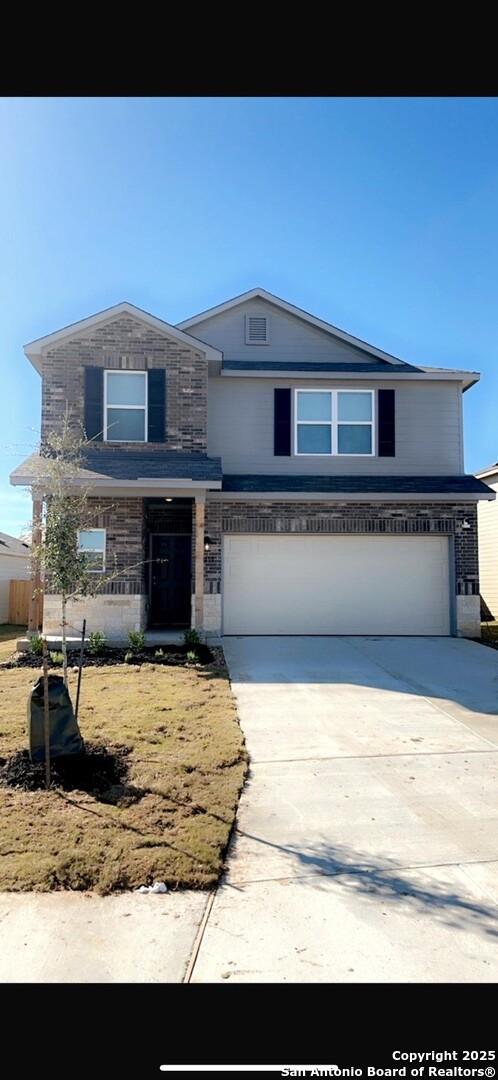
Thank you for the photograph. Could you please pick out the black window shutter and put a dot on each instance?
(156, 419)
(282, 423)
(386, 423)
(94, 402)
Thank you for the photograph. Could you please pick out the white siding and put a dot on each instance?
(487, 521)
(12, 568)
(428, 429)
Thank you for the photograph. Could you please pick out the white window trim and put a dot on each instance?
(257, 315)
(82, 552)
(144, 408)
(334, 422)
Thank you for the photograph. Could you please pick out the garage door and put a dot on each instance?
(335, 585)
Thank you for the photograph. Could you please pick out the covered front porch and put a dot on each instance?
(153, 578)
(147, 516)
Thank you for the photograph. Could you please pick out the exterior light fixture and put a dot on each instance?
(466, 525)
(168, 499)
(208, 543)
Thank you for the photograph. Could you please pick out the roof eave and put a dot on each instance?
(357, 496)
(473, 378)
(102, 482)
(487, 472)
(410, 373)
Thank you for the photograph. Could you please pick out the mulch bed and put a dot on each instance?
(101, 771)
(175, 655)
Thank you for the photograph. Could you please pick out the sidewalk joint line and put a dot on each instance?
(362, 757)
(199, 937)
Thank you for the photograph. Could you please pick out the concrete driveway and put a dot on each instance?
(367, 839)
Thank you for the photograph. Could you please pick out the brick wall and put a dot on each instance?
(128, 344)
(123, 520)
(347, 517)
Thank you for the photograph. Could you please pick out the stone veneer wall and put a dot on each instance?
(114, 615)
(238, 516)
(127, 344)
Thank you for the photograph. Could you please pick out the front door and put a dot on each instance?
(170, 584)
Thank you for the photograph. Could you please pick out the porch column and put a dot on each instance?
(35, 600)
(200, 516)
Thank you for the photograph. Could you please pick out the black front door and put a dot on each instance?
(170, 585)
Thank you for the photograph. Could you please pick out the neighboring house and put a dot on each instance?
(488, 545)
(282, 476)
(14, 566)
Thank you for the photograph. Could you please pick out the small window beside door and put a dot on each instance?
(91, 544)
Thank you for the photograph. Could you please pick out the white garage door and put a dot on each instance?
(335, 585)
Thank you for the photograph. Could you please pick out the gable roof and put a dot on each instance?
(10, 545)
(33, 349)
(291, 309)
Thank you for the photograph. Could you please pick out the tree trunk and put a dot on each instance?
(46, 715)
(64, 644)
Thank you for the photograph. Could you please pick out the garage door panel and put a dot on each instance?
(335, 585)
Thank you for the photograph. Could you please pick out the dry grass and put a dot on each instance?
(9, 634)
(187, 758)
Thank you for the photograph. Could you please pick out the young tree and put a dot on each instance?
(66, 512)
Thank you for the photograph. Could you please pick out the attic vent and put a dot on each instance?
(257, 330)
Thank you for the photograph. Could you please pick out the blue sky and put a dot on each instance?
(379, 215)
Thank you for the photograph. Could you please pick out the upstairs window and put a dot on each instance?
(257, 330)
(125, 406)
(334, 422)
(91, 543)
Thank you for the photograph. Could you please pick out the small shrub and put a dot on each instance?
(57, 659)
(137, 640)
(191, 637)
(96, 642)
(36, 644)
(129, 658)
(192, 656)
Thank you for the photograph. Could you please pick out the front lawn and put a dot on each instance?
(169, 819)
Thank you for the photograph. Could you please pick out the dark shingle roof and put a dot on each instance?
(151, 465)
(117, 464)
(292, 366)
(394, 485)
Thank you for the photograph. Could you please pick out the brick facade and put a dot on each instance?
(127, 344)
(347, 517)
(127, 533)
(123, 520)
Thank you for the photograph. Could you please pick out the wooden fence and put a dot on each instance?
(19, 598)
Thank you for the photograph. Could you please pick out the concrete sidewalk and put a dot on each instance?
(78, 937)
(367, 839)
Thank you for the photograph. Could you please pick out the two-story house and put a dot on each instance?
(267, 473)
